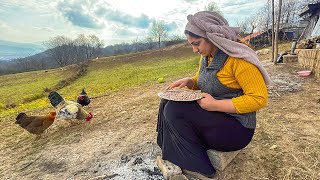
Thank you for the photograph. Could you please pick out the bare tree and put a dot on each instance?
(40, 63)
(66, 51)
(138, 45)
(250, 24)
(264, 16)
(58, 49)
(252, 21)
(94, 46)
(243, 27)
(264, 22)
(148, 42)
(87, 47)
(81, 43)
(212, 6)
(135, 44)
(158, 31)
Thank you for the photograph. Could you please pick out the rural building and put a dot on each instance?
(261, 39)
(309, 58)
(311, 14)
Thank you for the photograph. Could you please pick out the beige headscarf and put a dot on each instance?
(214, 27)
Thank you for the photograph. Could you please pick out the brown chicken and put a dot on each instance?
(35, 124)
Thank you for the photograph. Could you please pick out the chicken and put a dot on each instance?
(68, 109)
(83, 98)
(35, 124)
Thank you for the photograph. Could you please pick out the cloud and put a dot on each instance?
(172, 26)
(4, 25)
(242, 6)
(79, 19)
(235, 2)
(125, 32)
(238, 10)
(191, 1)
(43, 29)
(119, 17)
(35, 20)
(79, 14)
(95, 14)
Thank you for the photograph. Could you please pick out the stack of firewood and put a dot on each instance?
(309, 43)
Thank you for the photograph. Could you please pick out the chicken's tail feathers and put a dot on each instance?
(55, 98)
(20, 115)
(53, 113)
(83, 92)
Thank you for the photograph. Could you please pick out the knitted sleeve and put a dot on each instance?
(252, 83)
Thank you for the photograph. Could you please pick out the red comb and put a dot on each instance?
(88, 119)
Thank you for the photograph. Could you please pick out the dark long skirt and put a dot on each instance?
(186, 132)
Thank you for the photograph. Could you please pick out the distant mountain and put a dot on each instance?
(12, 50)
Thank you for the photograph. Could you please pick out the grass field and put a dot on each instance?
(25, 91)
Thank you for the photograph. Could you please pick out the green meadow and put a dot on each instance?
(24, 92)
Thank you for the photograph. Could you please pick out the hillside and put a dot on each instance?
(103, 75)
(120, 141)
(13, 50)
(13, 57)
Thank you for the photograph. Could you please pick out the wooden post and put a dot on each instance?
(277, 32)
(272, 7)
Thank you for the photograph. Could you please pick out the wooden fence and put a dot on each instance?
(309, 59)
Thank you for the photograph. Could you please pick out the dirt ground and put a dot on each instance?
(120, 141)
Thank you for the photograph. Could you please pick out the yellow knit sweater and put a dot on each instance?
(240, 74)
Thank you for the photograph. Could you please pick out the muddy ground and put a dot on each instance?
(120, 141)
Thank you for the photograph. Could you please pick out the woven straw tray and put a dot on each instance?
(180, 95)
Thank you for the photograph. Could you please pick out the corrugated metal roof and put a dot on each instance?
(310, 9)
(251, 36)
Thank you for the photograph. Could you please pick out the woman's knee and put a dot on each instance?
(175, 112)
(171, 108)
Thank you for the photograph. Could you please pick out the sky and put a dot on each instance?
(113, 21)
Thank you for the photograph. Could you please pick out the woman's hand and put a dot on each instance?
(209, 103)
(181, 83)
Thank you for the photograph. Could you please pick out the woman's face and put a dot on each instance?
(201, 46)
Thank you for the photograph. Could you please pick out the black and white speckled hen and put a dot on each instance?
(68, 109)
